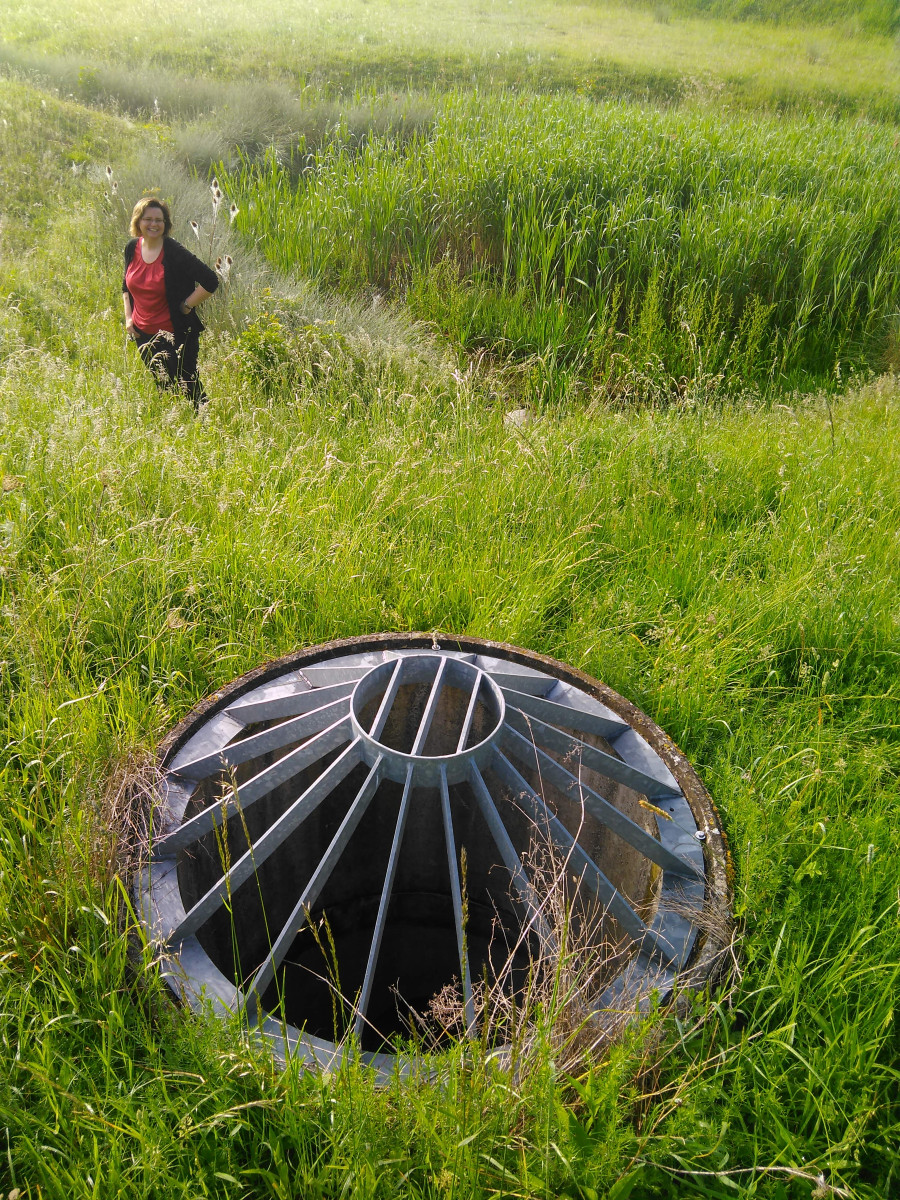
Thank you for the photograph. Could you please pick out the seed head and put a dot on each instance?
(195, 225)
(233, 211)
(108, 172)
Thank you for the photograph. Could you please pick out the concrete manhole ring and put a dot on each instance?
(346, 829)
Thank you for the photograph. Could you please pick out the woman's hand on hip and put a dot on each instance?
(197, 296)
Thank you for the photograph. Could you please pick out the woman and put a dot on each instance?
(162, 287)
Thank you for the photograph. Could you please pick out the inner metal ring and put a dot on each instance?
(351, 829)
(427, 713)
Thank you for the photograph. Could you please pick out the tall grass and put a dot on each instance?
(624, 241)
(727, 570)
(211, 118)
(878, 16)
(730, 568)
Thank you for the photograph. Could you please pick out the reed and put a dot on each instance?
(617, 237)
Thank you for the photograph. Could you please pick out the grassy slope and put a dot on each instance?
(876, 15)
(728, 570)
(598, 48)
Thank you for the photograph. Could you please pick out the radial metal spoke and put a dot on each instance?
(325, 674)
(320, 877)
(511, 860)
(250, 862)
(387, 701)
(581, 863)
(470, 714)
(218, 732)
(561, 714)
(381, 920)
(574, 749)
(456, 893)
(533, 685)
(243, 797)
(546, 768)
(532, 756)
(430, 708)
(288, 701)
(263, 743)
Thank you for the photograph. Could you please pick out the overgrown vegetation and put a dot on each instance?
(878, 16)
(727, 564)
(615, 242)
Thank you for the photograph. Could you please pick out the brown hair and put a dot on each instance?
(141, 207)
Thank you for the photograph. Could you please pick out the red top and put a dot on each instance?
(146, 283)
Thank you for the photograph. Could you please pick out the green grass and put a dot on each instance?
(618, 242)
(604, 249)
(729, 566)
(728, 571)
(878, 16)
(600, 49)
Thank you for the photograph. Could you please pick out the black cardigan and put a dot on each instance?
(182, 271)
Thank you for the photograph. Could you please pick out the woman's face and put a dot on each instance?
(152, 222)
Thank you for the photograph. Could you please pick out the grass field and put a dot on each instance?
(602, 49)
(618, 242)
(714, 538)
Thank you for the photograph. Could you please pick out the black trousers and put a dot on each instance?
(173, 366)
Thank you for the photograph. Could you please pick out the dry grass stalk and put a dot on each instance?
(120, 823)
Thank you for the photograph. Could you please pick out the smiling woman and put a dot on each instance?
(162, 286)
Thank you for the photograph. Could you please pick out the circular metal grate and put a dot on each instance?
(347, 831)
